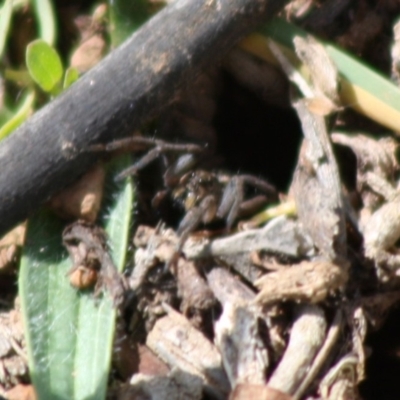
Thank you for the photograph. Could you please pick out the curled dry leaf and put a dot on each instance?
(87, 247)
(307, 281)
(82, 200)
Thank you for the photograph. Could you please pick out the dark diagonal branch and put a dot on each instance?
(114, 98)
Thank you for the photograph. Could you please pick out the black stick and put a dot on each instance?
(114, 98)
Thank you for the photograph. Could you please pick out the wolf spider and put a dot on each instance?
(204, 195)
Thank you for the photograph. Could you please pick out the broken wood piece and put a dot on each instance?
(181, 345)
(196, 295)
(178, 384)
(317, 188)
(281, 235)
(309, 281)
(227, 288)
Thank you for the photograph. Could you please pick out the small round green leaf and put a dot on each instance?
(44, 65)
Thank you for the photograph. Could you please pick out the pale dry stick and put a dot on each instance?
(291, 72)
(306, 338)
(322, 355)
(228, 289)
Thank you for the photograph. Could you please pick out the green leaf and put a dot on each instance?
(69, 332)
(45, 17)
(5, 18)
(71, 76)
(23, 112)
(44, 65)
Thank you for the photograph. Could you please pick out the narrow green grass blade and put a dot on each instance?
(5, 18)
(23, 112)
(362, 88)
(46, 20)
(70, 333)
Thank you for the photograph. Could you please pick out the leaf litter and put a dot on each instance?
(281, 311)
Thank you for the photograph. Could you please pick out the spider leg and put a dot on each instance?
(204, 212)
(149, 157)
(160, 148)
(249, 207)
(259, 183)
(232, 199)
(233, 205)
(129, 144)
